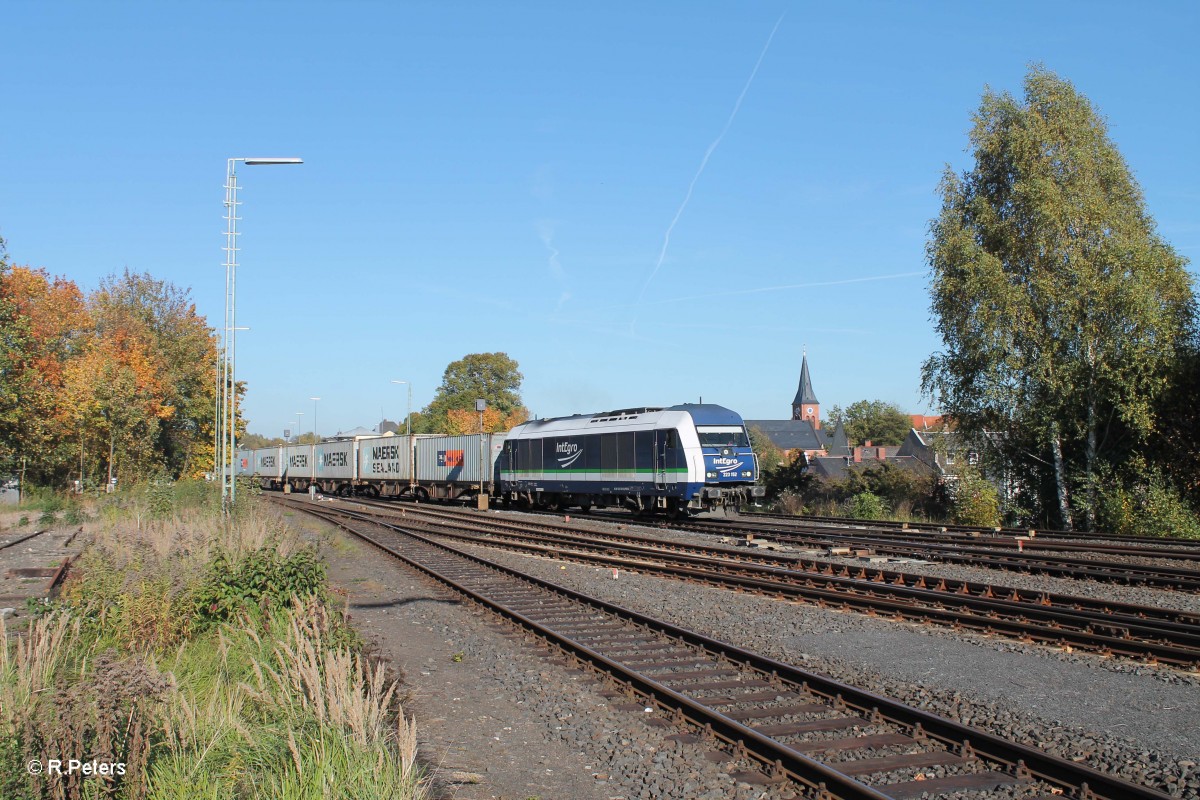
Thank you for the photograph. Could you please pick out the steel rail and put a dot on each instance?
(1021, 760)
(21, 539)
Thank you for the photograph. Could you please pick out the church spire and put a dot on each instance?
(805, 405)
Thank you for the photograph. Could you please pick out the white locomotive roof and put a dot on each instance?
(628, 419)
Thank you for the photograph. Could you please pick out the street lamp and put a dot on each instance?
(408, 416)
(226, 422)
(299, 414)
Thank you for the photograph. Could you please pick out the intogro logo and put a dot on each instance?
(571, 453)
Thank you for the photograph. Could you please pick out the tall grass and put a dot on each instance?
(264, 694)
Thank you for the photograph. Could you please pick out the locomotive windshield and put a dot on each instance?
(722, 436)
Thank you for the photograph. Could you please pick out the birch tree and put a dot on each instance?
(1061, 309)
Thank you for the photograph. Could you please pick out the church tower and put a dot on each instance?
(805, 406)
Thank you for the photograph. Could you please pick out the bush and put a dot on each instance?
(1146, 507)
(866, 505)
(974, 500)
(160, 497)
(261, 580)
(38, 498)
(908, 494)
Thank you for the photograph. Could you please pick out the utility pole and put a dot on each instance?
(481, 406)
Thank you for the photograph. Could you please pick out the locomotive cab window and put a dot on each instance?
(722, 436)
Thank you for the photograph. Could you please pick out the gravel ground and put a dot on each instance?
(1137, 721)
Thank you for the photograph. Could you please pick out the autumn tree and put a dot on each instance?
(1061, 310)
(876, 421)
(44, 326)
(14, 335)
(493, 377)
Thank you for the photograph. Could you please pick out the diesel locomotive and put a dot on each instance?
(682, 459)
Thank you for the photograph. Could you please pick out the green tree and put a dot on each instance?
(770, 457)
(163, 319)
(1175, 441)
(493, 377)
(872, 420)
(256, 441)
(1060, 308)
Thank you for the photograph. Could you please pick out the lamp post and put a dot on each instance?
(408, 416)
(299, 414)
(226, 422)
(315, 437)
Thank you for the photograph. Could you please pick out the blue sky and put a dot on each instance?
(486, 176)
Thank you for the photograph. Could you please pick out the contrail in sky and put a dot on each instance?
(704, 163)
(546, 233)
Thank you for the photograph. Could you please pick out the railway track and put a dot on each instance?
(1014, 555)
(1011, 555)
(836, 741)
(1181, 551)
(54, 575)
(1145, 633)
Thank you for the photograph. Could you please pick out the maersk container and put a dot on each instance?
(334, 460)
(243, 462)
(297, 461)
(268, 462)
(455, 459)
(385, 458)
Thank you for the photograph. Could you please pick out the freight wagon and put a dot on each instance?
(421, 466)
